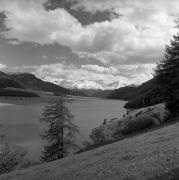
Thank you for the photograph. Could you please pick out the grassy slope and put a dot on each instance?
(153, 155)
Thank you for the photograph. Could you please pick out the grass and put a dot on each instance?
(148, 156)
(169, 175)
(130, 135)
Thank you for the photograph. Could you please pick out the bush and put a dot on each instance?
(11, 157)
(137, 124)
(97, 136)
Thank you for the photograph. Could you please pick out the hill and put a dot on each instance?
(147, 94)
(30, 81)
(12, 87)
(76, 92)
(8, 81)
(102, 93)
(123, 93)
(153, 155)
(99, 93)
(90, 92)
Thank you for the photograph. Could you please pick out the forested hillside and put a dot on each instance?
(7, 81)
(102, 93)
(147, 94)
(30, 81)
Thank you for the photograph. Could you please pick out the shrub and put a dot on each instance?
(11, 157)
(97, 136)
(137, 124)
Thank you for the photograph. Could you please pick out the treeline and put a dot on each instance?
(167, 75)
(30, 81)
(16, 93)
(164, 87)
(124, 93)
(147, 94)
(6, 82)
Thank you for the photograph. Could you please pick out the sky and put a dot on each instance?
(92, 44)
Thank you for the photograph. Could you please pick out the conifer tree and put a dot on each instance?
(167, 74)
(60, 132)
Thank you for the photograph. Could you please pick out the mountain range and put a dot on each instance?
(23, 82)
(30, 81)
(146, 94)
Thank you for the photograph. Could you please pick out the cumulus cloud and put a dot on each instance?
(143, 29)
(2, 66)
(128, 45)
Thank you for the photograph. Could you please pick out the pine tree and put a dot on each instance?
(60, 132)
(167, 74)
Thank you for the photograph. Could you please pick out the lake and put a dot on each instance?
(21, 125)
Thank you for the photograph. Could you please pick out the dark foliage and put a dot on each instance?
(123, 93)
(7, 81)
(167, 75)
(147, 94)
(11, 157)
(97, 136)
(76, 92)
(102, 93)
(16, 93)
(137, 125)
(30, 81)
(60, 132)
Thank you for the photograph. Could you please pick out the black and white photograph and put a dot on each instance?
(89, 90)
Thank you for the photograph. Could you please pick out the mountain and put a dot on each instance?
(102, 93)
(12, 87)
(90, 92)
(95, 92)
(22, 84)
(123, 93)
(8, 81)
(77, 92)
(30, 81)
(147, 94)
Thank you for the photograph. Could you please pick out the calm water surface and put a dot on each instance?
(21, 125)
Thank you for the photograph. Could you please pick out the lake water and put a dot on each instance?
(21, 125)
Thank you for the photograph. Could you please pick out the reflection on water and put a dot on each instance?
(5, 104)
(21, 125)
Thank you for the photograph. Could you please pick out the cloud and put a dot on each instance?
(127, 46)
(91, 76)
(127, 6)
(2, 66)
(139, 35)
